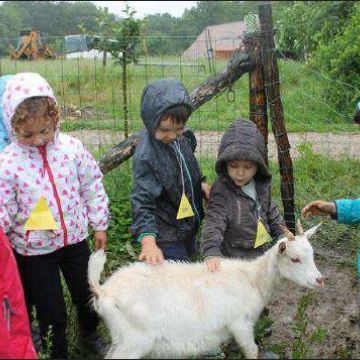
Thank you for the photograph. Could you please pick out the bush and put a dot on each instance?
(340, 60)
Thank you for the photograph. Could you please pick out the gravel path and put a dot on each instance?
(331, 144)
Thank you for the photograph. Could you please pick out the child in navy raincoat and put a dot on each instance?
(167, 181)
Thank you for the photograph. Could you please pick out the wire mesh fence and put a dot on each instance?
(90, 96)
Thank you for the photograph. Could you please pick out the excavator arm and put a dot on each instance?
(30, 46)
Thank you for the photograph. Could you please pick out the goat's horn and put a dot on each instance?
(299, 228)
(288, 233)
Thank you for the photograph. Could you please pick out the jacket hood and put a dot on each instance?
(20, 87)
(160, 96)
(242, 141)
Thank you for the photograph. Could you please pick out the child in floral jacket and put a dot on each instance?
(50, 192)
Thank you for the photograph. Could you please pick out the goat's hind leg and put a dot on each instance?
(131, 348)
(243, 332)
(128, 341)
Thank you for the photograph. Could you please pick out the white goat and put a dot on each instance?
(178, 310)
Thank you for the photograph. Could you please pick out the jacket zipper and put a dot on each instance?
(7, 313)
(42, 150)
(239, 211)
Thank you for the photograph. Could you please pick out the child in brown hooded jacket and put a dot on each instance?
(240, 208)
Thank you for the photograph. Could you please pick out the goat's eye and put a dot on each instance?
(295, 260)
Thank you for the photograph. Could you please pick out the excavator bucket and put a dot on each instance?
(30, 46)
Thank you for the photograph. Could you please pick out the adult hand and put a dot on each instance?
(150, 252)
(213, 263)
(318, 207)
(100, 239)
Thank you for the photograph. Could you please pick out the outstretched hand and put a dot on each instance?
(318, 207)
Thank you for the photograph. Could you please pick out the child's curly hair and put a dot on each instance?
(33, 108)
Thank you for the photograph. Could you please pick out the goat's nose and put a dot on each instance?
(320, 281)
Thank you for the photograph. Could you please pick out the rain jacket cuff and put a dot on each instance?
(142, 235)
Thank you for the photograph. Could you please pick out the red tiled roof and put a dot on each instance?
(222, 37)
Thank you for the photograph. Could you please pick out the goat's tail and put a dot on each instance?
(96, 266)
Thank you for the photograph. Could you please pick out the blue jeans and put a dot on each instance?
(178, 250)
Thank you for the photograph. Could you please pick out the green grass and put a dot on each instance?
(86, 84)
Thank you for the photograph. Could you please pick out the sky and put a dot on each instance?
(143, 8)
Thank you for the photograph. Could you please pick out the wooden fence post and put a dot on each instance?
(257, 96)
(272, 86)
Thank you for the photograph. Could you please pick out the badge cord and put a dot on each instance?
(177, 151)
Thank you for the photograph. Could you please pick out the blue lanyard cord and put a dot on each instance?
(178, 151)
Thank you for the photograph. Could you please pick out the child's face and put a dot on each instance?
(35, 132)
(168, 130)
(241, 171)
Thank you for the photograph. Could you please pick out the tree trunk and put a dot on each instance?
(238, 65)
(104, 58)
(125, 104)
(272, 85)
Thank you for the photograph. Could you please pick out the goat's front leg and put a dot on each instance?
(243, 331)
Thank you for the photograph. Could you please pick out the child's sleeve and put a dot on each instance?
(348, 211)
(215, 224)
(146, 189)
(275, 221)
(8, 205)
(92, 190)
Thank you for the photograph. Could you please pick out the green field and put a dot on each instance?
(83, 84)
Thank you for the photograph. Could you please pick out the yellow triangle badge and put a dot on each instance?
(41, 217)
(185, 209)
(262, 235)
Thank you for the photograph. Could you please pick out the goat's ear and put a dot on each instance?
(299, 227)
(312, 231)
(282, 247)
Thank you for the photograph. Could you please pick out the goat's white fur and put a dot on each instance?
(177, 310)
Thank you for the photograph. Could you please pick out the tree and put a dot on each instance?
(101, 40)
(306, 24)
(339, 59)
(127, 33)
(51, 18)
(10, 22)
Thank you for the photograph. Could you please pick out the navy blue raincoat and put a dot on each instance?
(157, 180)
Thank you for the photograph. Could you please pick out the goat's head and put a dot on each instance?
(296, 260)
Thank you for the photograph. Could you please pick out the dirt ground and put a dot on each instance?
(336, 306)
(330, 144)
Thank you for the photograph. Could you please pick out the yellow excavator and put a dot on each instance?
(31, 47)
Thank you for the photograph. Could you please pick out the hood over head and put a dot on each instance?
(160, 96)
(20, 87)
(242, 141)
